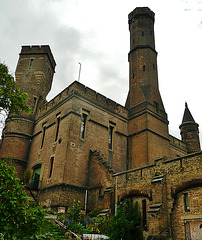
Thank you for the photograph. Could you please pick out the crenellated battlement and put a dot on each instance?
(39, 49)
(88, 93)
(141, 12)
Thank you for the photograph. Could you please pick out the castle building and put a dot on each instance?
(82, 145)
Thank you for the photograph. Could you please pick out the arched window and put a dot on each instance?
(36, 177)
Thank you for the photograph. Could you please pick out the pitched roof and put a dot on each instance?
(187, 117)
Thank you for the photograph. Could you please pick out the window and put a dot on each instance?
(144, 214)
(111, 128)
(43, 136)
(186, 202)
(142, 34)
(35, 178)
(51, 166)
(35, 103)
(144, 68)
(57, 128)
(31, 62)
(156, 105)
(83, 125)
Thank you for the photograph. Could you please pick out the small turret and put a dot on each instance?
(189, 131)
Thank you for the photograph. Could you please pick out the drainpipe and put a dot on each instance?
(86, 196)
(116, 179)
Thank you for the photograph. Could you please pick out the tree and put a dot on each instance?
(18, 219)
(11, 98)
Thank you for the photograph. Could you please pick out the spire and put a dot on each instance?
(187, 117)
(189, 132)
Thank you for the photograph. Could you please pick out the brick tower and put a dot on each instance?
(189, 131)
(148, 124)
(34, 75)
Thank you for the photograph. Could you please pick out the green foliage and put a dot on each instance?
(126, 221)
(11, 99)
(48, 231)
(74, 213)
(17, 218)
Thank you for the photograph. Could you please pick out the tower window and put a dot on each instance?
(186, 202)
(57, 129)
(111, 128)
(142, 34)
(31, 62)
(144, 68)
(83, 125)
(156, 105)
(51, 166)
(35, 103)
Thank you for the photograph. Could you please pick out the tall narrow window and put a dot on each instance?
(83, 125)
(156, 105)
(186, 202)
(110, 136)
(57, 128)
(144, 68)
(31, 62)
(35, 103)
(142, 34)
(43, 135)
(51, 166)
(144, 214)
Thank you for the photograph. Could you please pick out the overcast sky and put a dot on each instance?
(95, 33)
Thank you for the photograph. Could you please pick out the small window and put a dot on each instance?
(144, 68)
(43, 135)
(142, 34)
(31, 62)
(51, 166)
(57, 128)
(111, 128)
(83, 125)
(133, 75)
(186, 202)
(156, 105)
(35, 103)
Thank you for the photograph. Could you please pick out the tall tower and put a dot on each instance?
(148, 124)
(34, 75)
(189, 131)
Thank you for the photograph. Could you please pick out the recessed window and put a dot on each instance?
(35, 178)
(143, 68)
(83, 125)
(51, 166)
(31, 62)
(186, 202)
(156, 105)
(57, 128)
(43, 135)
(111, 128)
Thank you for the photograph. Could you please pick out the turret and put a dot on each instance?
(148, 125)
(34, 75)
(189, 131)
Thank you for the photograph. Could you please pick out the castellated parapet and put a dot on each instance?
(78, 89)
